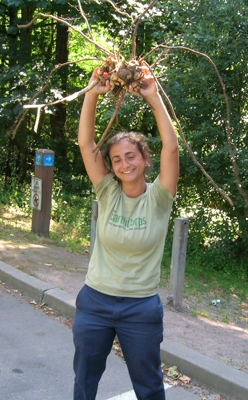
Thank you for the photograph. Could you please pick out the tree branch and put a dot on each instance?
(72, 97)
(229, 141)
(29, 105)
(136, 21)
(63, 21)
(189, 148)
(85, 18)
(137, 25)
(115, 115)
(117, 9)
(186, 143)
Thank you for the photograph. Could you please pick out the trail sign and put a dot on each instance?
(38, 159)
(48, 160)
(36, 193)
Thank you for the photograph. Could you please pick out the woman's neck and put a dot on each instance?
(134, 190)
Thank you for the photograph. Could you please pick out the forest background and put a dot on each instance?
(218, 233)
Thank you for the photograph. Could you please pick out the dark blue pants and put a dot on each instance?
(138, 323)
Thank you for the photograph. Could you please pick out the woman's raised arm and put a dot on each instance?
(169, 163)
(95, 166)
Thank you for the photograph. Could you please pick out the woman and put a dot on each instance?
(120, 293)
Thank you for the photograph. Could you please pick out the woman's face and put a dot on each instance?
(127, 161)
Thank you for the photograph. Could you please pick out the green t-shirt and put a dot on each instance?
(130, 239)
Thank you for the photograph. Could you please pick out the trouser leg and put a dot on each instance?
(139, 327)
(140, 332)
(93, 338)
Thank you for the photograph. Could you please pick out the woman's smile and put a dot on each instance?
(128, 172)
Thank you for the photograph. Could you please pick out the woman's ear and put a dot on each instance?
(147, 161)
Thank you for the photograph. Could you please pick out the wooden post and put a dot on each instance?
(41, 202)
(178, 261)
(93, 225)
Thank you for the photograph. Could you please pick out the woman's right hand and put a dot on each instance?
(99, 88)
(95, 166)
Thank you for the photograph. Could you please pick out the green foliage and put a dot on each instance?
(75, 212)
(17, 195)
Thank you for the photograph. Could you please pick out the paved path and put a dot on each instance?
(37, 354)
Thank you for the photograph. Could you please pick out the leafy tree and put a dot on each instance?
(219, 29)
(199, 102)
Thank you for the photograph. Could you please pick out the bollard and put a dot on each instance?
(41, 191)
(93, 225)
(178, 261)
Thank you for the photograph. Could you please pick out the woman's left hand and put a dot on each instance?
(147, 90)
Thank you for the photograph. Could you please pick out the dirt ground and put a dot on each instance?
(225, 342)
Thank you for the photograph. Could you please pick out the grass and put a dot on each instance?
(225, 317)
(16, 223)
(201, 287)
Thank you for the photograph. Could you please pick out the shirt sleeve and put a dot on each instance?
(106, 187)
(161, 195)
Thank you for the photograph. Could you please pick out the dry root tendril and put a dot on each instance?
(123, 74)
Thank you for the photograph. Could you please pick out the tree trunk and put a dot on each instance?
(58, 119)
(25, 57)
(11, 60)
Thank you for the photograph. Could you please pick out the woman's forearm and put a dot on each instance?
(86, 130)
(164, 123)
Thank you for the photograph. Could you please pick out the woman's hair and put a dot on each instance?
(133, 137)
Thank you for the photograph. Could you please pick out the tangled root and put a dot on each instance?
(122, 74)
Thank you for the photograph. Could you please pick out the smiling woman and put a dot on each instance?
(129, 166)
(136, 146)
(120, 295)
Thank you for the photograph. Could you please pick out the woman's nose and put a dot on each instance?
(125, 163)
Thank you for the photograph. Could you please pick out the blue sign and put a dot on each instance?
(38, 160)
(48, 160)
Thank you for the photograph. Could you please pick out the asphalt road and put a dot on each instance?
(37, 355)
